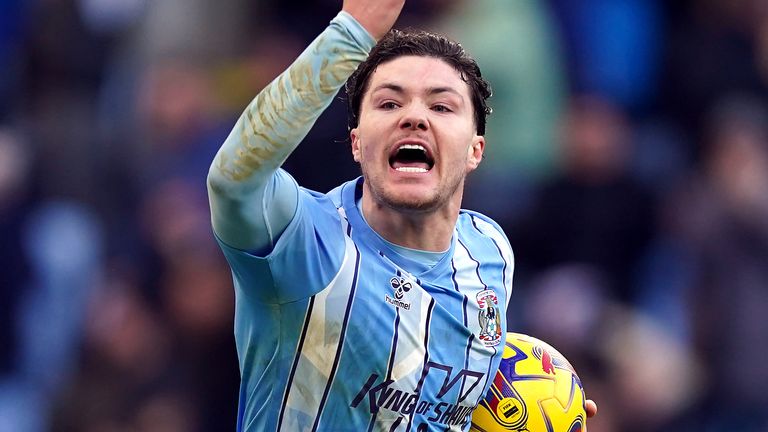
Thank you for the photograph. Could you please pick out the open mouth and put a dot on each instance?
(411, 158)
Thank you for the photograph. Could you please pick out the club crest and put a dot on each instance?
(489, 318)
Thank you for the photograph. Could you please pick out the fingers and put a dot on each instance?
(377, 16)
(591, 408)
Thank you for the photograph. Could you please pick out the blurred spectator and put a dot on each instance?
(166, 368)
(13, 22)
(197, 305)
(16, 396)
(721, 219)
(63, 241)
(200, 314)
(654, 379)
(180, 127)
(573, 293)
(517, 47)
(115, 303)
(715, 48)
(594, 212)
(643, 376)
(51, 253)
(613, 48)
(125, 356)
(14, 200)
(566, 306)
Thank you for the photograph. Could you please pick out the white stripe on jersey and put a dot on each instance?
(409, 357)
(315, 367)
(469, 283)
(409, 352)
(503, 245)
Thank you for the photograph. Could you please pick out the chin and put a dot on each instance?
(407, 196)
(411, 202)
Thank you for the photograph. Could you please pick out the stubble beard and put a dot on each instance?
(435, 199)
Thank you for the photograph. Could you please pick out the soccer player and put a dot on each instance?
(380, 305)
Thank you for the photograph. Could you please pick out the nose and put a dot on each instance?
(414, 118)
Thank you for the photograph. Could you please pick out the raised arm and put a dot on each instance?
(376, 16)
(252, 202)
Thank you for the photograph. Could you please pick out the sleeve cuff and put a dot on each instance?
(355, 29)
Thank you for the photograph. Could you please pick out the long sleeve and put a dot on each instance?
(252, 200)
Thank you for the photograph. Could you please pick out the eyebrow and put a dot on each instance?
(430, 91)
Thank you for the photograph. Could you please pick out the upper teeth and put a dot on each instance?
(412, 147)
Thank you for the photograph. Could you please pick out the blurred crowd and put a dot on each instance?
(627, 160)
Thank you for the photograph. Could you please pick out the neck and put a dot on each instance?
(423, 230)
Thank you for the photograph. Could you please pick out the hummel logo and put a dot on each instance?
(401, 286)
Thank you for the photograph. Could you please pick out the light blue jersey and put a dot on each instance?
(335, 334)
(337, 329)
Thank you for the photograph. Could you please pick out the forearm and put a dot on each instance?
(270, 128)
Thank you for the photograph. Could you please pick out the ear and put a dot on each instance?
(356, 149)
(475, 152)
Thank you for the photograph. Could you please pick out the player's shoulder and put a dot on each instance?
(332, 197)
(476, 224)
(336, 194)
(319, 209)
(471, 218)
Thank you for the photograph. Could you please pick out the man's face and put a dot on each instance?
(416, 140)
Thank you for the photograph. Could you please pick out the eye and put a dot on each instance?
(441, 108)
(389, 105)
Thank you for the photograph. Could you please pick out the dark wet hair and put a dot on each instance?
(399, 43)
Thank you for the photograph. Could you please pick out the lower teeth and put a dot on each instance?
(411, 169)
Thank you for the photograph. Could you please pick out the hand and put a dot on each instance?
(591, 408)
(377, 16)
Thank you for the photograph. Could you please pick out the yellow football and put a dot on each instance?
(535, 390)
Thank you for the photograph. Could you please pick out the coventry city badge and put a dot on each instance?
(490, 320)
